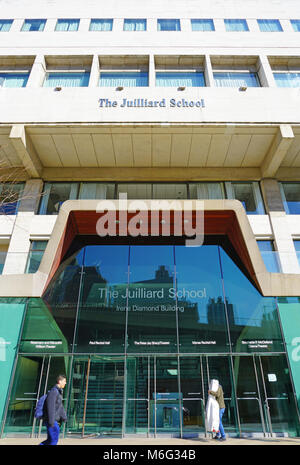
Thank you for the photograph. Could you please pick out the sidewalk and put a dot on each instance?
(172, 442)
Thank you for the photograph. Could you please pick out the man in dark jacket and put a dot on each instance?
(54, 412)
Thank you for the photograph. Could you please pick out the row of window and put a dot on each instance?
(138, 24)
(266, 247)
(55, 193)
(141, 79)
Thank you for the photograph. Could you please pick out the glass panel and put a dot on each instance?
(280, 397)
(5, 24)
(287, 79)
(207, 190)
(61, 298)
(193, 79)
(269, 256)
(101, 24)
(3, 254)
(104, 408)
(296, 24)
(166, 402)
(235, 79)
(67, 79)
(269, 25)
(137, 394)
(33, 25)
(96, 190)
(168, 25)
(102, 310)
(169, 191)
(248, 395)
(236, 25)
(67, 25)
(193, 396)
(10, 194)
(291, 192)
(151, 301)
(253, 319)
(202, 25)
(78, 386)
(13, 79)
(35, 255)
(201, 309)
(130, 79)
(135, 191)
(54, 196)
(34, 376)
(135, 24)
(249, 196)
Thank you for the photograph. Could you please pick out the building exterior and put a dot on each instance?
(150, 226)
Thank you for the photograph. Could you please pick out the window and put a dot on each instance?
(269, 256)
(291, 197)
(3, 253)
(168, 25)
(37, 249)
(67, 25)
(55, 194)
(202, 25)
(101, 25)
(135, 24)
(10, 195)
(249, 194)
(236, 25)
(96, 190)
(269, 25)
(207, 190)
(33, 25)
(236, 79)
(175, 79)
(68, 79)
(13, 79)
(287, 79)
(296, 24)
(5, 25)
(125, 79)
(297, 248)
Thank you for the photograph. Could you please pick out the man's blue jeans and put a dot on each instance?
(52, 435)
(221, 432)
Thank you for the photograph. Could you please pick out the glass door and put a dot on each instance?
(280, 408)
(97, 395)
(249, 398)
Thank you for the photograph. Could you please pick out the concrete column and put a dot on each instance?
(208, 72)
(284, 242)
(31, 196)
(38, 72)
(265, 72)
(151, 70)
(272, 195)
(95, 72)
(19, 245)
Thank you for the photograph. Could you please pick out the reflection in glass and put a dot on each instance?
(201, 309)
(254, 326)
(102, 307)
(151, 300)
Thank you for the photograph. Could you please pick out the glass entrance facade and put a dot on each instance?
(139, 331)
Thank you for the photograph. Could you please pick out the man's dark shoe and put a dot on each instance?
(222, 439)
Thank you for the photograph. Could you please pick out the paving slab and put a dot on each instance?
(155, 442)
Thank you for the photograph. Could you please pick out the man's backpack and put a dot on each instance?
(39, 408)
